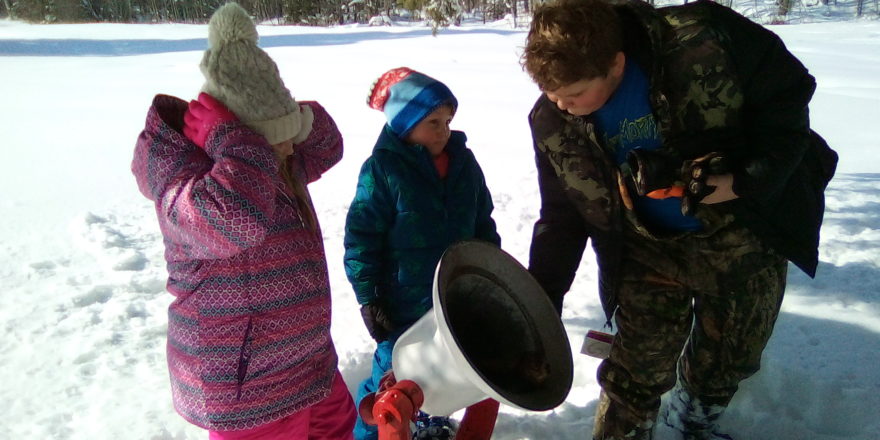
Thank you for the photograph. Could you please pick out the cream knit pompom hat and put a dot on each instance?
(245, 79)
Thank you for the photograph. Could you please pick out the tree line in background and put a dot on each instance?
(437, 13)
(308, 12)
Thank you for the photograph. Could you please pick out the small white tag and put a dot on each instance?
(597, 344)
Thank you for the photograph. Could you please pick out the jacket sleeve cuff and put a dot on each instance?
(365, 293)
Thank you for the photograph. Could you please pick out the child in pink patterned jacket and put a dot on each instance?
(249, 347)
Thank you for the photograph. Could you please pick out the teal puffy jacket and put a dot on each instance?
(403, 218)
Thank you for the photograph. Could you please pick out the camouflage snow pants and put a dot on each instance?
(698, 307)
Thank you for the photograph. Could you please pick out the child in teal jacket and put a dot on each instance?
(420, 191)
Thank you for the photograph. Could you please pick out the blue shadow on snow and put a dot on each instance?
(84, 47)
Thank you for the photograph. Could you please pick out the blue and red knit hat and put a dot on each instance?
(406, 97)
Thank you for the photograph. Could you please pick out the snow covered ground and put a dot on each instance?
(82, 298)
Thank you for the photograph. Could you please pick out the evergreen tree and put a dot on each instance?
(442, 13)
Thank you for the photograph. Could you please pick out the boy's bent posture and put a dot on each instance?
(678, 141)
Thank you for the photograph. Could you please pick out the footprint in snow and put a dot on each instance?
(116, 245)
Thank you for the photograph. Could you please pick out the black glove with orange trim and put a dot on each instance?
(698, 171)
(658, 174)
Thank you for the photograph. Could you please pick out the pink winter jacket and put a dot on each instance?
(249, 331)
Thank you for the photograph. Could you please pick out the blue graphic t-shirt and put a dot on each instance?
(625, 122)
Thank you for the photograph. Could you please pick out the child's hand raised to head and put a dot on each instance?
(202, 116)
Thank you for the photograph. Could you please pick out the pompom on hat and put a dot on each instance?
(406, 97)
(245, 79)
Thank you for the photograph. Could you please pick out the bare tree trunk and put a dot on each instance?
(784, 6)
(513, 7)
(89, 8)
(151, 9)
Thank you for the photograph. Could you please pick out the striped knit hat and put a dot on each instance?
(406, 97)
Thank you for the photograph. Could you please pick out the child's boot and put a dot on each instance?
(610, 424)
(433, 428)
(691, 419)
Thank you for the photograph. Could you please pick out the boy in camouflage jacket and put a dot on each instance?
(678, 141)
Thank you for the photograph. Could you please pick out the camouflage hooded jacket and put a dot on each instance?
(719, 83)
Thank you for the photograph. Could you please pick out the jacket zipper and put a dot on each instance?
(244, 358)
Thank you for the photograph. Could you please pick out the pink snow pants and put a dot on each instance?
(330, 419)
